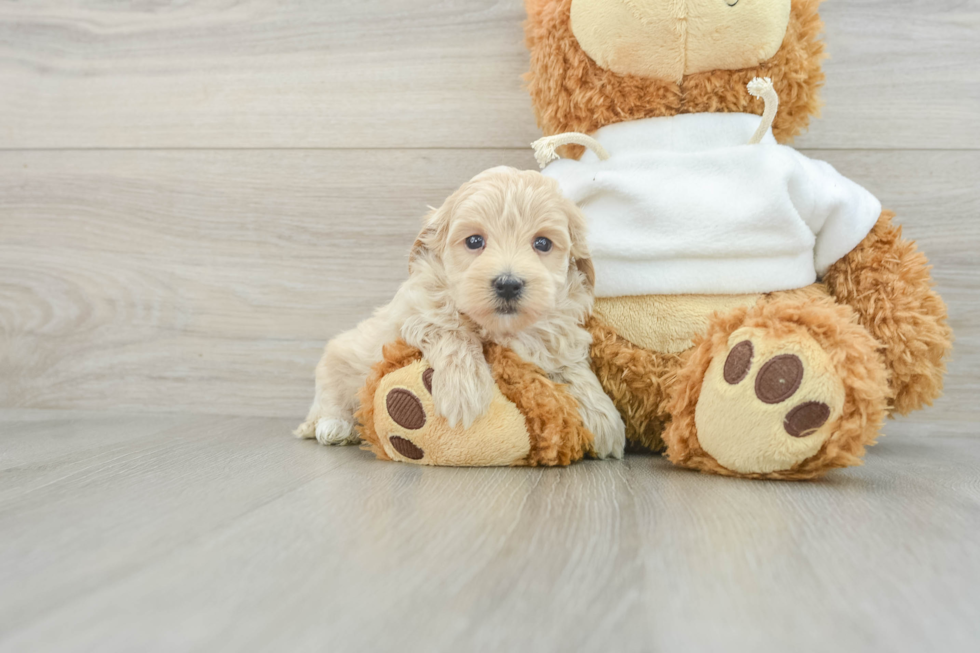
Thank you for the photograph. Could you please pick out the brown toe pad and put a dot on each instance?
(806, 418)
(779, 379)
(406, 448)
(405, 409)
(738, 363)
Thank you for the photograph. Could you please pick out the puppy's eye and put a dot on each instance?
(475, 242)
(542, 244)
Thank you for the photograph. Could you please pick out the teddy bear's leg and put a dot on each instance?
(887, 283)
(638, 381)
(531, 420)
(787, 389)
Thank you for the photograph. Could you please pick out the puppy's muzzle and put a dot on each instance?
(508, 288)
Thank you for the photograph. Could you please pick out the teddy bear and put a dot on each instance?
(758, 314)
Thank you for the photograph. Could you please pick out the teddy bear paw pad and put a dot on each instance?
(806, 419)
(767, 403)
(406, 447)
(405, 409)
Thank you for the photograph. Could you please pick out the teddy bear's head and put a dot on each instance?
(598, 62)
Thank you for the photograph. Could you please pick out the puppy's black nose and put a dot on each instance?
(508, 288)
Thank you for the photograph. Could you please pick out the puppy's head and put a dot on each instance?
(512, 250)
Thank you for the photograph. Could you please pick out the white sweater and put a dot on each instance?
(683, 205)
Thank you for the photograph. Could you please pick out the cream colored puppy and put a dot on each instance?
(503, 260)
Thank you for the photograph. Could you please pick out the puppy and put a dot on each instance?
(503, 260)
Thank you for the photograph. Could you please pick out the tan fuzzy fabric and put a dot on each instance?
(551, 420)
(666, 40)
(664, 323)
(638, 380)
(570, 92)
(886, 281)
(852, 351)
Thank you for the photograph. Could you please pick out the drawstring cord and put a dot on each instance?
(545, 148)
(762, 87)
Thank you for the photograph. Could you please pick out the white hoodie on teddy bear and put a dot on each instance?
(685, 204)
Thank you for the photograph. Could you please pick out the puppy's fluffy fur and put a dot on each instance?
(449, 306)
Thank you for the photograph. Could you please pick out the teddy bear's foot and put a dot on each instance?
(410, 430)
(768, 403)
(789, 389)
(531, 420)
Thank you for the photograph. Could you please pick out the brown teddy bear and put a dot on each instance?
(758, 314)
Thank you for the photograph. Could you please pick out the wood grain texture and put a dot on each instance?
(164, 533)
(210, 281)
(410, 73)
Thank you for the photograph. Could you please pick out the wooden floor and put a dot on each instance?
(196, 195)
(176, 533)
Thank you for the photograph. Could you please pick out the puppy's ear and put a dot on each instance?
(435, 227)
(584, 265)
(579, 257)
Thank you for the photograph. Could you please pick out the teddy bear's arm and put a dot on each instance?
(887, 282)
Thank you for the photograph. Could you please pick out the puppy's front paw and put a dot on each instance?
(608, 428)
(462, 390)
(335, 431)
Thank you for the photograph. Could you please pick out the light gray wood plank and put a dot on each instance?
(901, 74)
(32, 440)
(157, 481)
(411, 73)
(209, 281)
(253, 74)
(235, 537)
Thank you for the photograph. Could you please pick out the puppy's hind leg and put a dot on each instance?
(340, 373)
